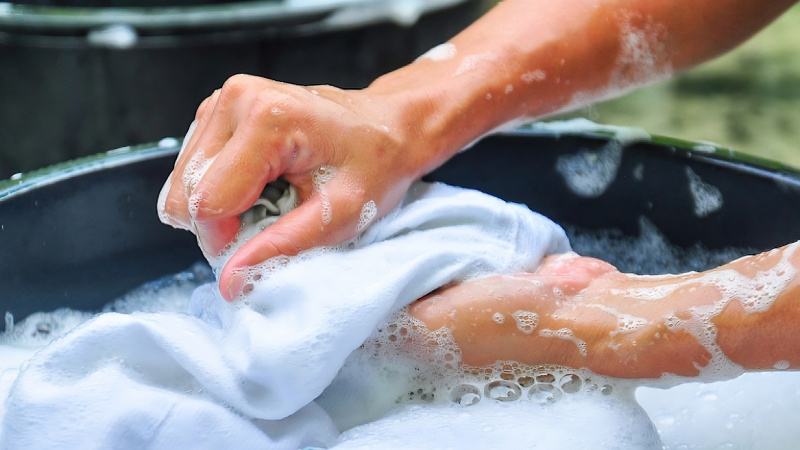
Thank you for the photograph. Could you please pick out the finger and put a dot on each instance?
(233, 183)
(328, 217)
(219, 117)
(173, 202)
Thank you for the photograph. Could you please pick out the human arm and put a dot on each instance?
(589, 315)
(524, 58)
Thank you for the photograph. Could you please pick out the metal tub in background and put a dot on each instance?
(81, 76)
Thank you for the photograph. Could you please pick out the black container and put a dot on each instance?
(81, 234)
(99, 74)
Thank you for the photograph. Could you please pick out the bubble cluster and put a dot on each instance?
(642, 44)
(526, 321)
(41, 328)
(782, 365)
(755, 293)
(471, 62)
(320, 177)
(368, 213)
(649, 253)
(589, 173)
(534, 75)
(192, 174)
(707, 198)
(440, 376)
(566, 334)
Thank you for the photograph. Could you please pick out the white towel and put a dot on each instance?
(245, 374)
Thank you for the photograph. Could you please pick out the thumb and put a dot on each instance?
(320, 220)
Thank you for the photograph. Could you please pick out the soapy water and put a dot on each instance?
(412, 380)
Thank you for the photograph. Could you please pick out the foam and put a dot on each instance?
(526, 321)
(634, 254)
(498, 318)
(755, 410)
(604, 423)
(781, 365)
(404, 363)
(534, 75)
(566, 334)
(471, 62)
(320, 177)
(419, 402)
(368, 213)
(707, 198)
(641, 48)
(441, 52)
(626, 323)
(589, 173)
(755, 294)
(161, 203)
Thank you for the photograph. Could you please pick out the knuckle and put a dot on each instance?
(234, 87)
(271, 103)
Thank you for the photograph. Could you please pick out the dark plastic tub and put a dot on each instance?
(81, 76)
(82, 233)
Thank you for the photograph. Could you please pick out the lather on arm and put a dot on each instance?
(523, 58)
(743, 315)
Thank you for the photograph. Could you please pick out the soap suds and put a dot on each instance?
(534, 75)
(566, 334)
(782, 365)
(441, 52)
(643, 49)
(321, 177)
(526, 321)
(707, 198)
(589, 173)
(368, 213)
(471, 62)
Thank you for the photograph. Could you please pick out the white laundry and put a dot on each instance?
(246, 374)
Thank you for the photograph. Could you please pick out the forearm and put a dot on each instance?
(536, 57)
(763, 333)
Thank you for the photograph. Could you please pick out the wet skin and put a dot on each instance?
(592, 300)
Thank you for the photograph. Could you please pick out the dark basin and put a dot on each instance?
(82, 233)
(81, 76)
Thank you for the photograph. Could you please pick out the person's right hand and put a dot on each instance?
(351, 156)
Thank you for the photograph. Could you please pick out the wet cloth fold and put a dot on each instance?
(245, 374)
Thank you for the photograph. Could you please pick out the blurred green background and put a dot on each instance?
(747, 100)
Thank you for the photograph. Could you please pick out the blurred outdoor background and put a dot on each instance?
(747, 100)
(63, 96)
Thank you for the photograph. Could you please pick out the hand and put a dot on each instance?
(344, 151)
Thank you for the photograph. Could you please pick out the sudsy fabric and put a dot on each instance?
(245, 374)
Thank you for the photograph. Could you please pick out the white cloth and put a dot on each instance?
(245, 374)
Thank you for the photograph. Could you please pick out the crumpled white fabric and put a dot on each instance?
(245, 374)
